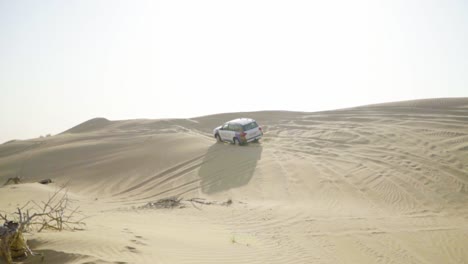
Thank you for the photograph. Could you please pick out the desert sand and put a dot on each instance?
(383, 183)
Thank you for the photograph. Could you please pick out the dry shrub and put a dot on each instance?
(56, 213)
(170, 202)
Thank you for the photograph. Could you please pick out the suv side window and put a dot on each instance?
(250, 126)
(225, 127)
(234, 127)
(237, 128)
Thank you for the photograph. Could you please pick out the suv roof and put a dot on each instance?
(242, 121)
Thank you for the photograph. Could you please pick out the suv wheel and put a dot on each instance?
(218, 138)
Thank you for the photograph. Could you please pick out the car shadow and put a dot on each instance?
(226, 166)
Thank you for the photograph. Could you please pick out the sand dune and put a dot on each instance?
(384, 183)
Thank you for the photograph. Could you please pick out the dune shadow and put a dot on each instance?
(227, 166)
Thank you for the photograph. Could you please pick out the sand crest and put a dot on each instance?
(385, 183)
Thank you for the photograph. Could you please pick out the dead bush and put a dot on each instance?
(57, 213)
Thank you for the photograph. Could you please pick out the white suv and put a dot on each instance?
(238, 131)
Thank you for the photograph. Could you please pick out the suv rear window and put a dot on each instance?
(250, 126)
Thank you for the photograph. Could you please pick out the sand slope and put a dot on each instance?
(384, 183)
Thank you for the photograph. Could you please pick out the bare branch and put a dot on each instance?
(56, 213)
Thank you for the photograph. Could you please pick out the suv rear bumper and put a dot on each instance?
(253, 138)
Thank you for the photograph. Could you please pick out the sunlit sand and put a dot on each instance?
(384, 183)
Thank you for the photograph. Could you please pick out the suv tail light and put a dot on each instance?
(260, 128)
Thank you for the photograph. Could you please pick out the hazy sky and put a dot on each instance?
(64, 62)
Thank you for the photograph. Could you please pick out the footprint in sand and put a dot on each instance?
(131, 249)
(137, 242)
